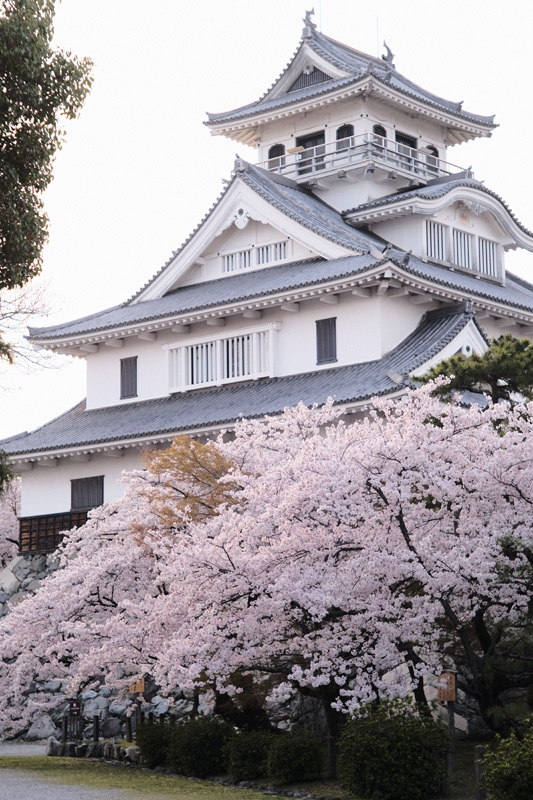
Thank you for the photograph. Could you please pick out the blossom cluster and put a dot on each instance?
(345, 561)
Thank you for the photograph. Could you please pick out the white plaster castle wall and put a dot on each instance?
(342, 193)
(103, 372)
(362, 114)
(46, 490)
(366, 329)
(405, 232)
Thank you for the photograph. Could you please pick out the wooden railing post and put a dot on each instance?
(479, 769)
(96, 728)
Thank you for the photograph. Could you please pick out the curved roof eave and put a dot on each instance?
(432, 191)
(357, 67)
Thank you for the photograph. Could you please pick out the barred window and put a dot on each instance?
(462, 248)
(326, 340)
(487, 257)
(435, 240)
(128, 377)
(86, 493)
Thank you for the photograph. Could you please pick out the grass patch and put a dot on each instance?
(143, 783)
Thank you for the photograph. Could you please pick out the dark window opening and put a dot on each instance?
(86, 493)
(312, 155)
(408, 141)
(128, 377)
(432, 158)
(276, 156)
(344, 134)
(326, 340)
(379, 130)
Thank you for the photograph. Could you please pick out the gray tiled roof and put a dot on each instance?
(296, 202)
(433, 190)
(221, 406)
(359, 66)
(210, 294)
(516, 293)
(309, 211)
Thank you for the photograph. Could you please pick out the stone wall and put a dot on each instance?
(22, 576)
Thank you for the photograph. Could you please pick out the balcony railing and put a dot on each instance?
(44, 533)
(358, 151)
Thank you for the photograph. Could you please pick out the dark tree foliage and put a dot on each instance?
(5, 472)
(39, 85)
(505, 368)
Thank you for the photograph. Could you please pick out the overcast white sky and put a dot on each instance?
(139, 169)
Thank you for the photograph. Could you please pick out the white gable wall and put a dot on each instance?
(235, 240)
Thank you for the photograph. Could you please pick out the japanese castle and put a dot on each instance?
(349, 256)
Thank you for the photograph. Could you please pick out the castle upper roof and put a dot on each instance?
(321, 69)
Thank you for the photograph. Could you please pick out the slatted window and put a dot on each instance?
(86, 493)
(269, 253)
(236, 261)
(462, 248)
(309, 78)
(226, 359)
(326, 340)
(488, 257)
(435, 240)
(203, 363)
(128, 377)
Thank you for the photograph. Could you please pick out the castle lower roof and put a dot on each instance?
(209, 409)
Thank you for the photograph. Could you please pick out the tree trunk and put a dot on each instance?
(333, 727)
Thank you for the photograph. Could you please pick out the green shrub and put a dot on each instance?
(391, 751)
(153, 740)
(246, 755)
(509, 768)
(294, 757)
(196, 746)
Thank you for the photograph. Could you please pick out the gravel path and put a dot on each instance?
(22, 749)
(17, 785)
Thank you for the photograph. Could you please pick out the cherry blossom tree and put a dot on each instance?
(344, 561)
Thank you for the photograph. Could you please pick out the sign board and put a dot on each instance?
(74, 708)
(138, 686)
(446, 687)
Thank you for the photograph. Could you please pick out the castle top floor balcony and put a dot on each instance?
(357, 157)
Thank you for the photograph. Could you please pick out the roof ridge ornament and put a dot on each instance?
(389, 57)
(239, 164)
(309, 25)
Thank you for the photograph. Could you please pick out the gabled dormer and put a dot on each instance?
(454, 222)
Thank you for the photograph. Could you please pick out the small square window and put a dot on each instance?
(86, 493)
(326, 340)
(128, 377)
